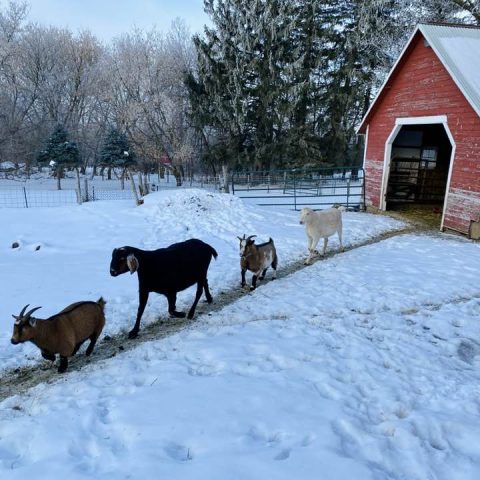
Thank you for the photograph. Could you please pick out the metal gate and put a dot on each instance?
(298, 188)
(416, 180)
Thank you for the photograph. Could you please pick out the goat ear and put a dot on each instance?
(32, 321)
(17, 319)
(132, 263)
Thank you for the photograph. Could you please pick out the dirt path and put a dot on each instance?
(19, 380)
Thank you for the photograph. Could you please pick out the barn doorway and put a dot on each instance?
(418, 172)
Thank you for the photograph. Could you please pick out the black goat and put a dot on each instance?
(166, 271)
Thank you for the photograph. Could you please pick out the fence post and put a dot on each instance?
(85, 186)
(233, 185)
(363, 190)
(348, 191)
(25, 196)
(295, 190)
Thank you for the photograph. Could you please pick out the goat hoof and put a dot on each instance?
(252, 288)
(133, 334)
(62, 369)
(176, 314)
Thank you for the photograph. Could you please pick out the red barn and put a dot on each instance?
(422, 131)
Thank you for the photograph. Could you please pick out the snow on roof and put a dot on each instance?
(458, 48)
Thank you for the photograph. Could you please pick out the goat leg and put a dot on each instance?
(198, 294)
(48, 356)
(262, 276)
(254, 282)
(93, 340)
(274, 266)
(63, 364)
(243, 277)
(172, 300)
(208, 295)
(142, 302)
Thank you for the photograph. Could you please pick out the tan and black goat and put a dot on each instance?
(257, 259)
(63, 333)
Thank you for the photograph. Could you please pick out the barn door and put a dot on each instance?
(419, 166)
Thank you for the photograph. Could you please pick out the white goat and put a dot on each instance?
(321, 224)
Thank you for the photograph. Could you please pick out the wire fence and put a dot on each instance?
(292, 188)
(42, 191)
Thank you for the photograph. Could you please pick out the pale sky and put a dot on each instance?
(107, 19)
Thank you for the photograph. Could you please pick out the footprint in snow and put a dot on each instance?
(467, 350)
(179, 453)
(283, 455)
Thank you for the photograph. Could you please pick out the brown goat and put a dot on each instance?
(257, 259)
(63, 333)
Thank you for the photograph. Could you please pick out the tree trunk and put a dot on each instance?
(226, 186)
(59, 176)
(146, 190)
(122, 179)
(178, 176)
(79, 189)
(134, 189)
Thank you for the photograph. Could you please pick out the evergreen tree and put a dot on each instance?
(117, 152)
(285, 82)
(59, 153)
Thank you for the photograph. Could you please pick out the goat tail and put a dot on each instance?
(102, 303)
(213, 252)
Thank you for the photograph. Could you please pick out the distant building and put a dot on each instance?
(422, 131)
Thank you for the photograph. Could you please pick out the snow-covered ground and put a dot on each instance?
(363, 366)
(76, 243)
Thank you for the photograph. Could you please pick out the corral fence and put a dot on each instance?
(298, 188)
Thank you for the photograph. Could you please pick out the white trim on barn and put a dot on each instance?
(387, 160)
(365, 147)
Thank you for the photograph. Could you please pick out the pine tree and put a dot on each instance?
(117, 152)
(59, 153)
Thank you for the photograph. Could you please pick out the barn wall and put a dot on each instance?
(422, 87)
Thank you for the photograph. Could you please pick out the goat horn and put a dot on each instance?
(250, 237)
(29, 313)
(23, 310)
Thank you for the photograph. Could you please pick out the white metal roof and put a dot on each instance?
(458, 48)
